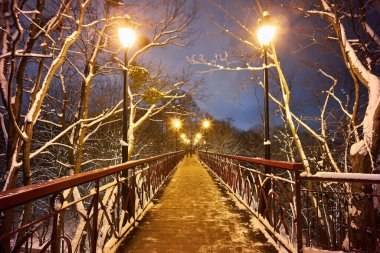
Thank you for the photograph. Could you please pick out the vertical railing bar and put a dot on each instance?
(349, 220)
(53, 246)
(133, 189)
(95, 218)
(119, 199)
(308, 219)
(299, 212)
(149, 179)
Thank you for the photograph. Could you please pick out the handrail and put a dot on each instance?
(274, 163)
(261, 192)
(304, 210)
(100, 203)
(17, 196)
(342, 177)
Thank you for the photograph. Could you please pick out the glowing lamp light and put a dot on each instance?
(206, 124)
(177, 124)
(266, 34)
(127, 37)
(198, 136)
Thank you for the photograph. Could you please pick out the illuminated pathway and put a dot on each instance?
(195, 214)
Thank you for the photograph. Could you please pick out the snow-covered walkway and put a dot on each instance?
(195, 214)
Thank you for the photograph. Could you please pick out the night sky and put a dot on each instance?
(237, 95)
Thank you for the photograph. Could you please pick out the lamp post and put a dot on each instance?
(177, 125)
(127, 38)
(206, 125)
(265, 35)
(198, 137)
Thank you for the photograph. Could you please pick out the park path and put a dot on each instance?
(195, 214)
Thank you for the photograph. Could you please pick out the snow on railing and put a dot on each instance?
(341, 211)
(266, 187)
(336, 211)
(90, 211)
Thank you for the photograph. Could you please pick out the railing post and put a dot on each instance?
(54, 248)
(133, 195)
(150, 179)
(95, 218)
(299, 212)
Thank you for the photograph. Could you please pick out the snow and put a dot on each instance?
(29, 115)
(358, 148)
(371, 81)
(346, 176)
(372, 33)
(11, 171)
(373, 84)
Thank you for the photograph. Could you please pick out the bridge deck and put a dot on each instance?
(195, 214)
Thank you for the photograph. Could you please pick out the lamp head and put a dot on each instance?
(176, 123)
(206, 124)
(127, 37)
(266, 30)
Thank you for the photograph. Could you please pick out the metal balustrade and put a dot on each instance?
(270, 197)
(324, 203)
(93, 211)
(83, 212)
(347, 205)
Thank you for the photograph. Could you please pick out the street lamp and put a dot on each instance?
(206, 125)
(177, 126)
(265, 35)
(198, 137)
(127, 37)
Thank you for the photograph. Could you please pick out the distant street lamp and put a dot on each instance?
(196, 143)
(206, 126)
(177, 126)
(265, 35)
(198, 137)
(127, 37)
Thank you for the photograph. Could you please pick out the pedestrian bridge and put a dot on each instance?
(194, 213)
(209, 203)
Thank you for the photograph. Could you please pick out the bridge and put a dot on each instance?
(208, 203)
(195, 214)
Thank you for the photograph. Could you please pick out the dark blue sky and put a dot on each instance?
(232, 94)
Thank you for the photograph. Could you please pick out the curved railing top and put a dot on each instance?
(273, 163)
(28, 193)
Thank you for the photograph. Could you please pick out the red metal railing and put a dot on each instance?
(270, 197)
(86, 211)
(324, 204)
(347, 205)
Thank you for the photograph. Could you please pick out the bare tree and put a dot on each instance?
(53, 54)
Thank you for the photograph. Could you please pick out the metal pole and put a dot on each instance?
(206, 140)
(124, 148)
(266, 109)
(267, 169)
(126, 202)
(176, 140)
(299, 212)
